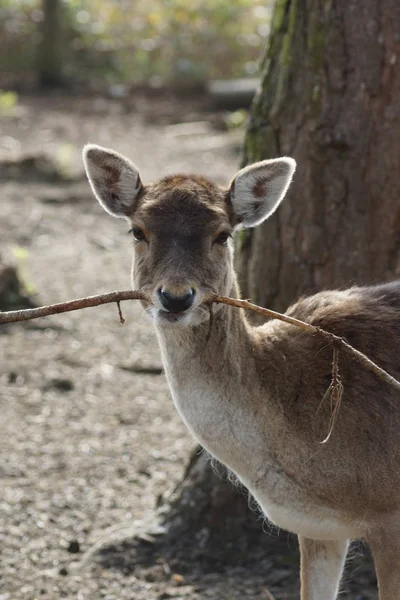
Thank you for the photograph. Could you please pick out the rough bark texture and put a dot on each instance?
(50, 51)
(329, 97)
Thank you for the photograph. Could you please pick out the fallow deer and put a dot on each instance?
(253, 396)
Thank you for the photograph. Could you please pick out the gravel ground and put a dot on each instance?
(89, 439)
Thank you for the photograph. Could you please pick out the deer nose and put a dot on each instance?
(174, 303)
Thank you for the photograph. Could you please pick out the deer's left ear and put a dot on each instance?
(257, 190)
(114, 179)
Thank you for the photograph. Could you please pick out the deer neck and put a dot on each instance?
(210, 371)
(211, 349)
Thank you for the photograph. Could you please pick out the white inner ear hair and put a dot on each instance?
(259, 189)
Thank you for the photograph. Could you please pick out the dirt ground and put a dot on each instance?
(90, 442)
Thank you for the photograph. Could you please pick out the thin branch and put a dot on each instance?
(121, 317)
(330, 337)
(44, 311)
(13, 316)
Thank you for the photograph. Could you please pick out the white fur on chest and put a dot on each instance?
(216, 411)
(234, 440)
(215, 419)
(306, 519)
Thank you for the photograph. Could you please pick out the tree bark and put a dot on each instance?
(329, 98)
(50, 73)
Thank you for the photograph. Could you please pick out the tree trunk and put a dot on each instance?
(50, 50)
(329, 98)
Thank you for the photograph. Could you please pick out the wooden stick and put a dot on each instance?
(330, 337)
(14, 316)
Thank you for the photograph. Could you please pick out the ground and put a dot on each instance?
(90, 443)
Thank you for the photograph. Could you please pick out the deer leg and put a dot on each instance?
(321, 568)
(385, 548)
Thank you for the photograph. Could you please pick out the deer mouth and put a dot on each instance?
(171, 317)
(186, 318)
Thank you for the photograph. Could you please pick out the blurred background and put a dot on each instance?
(96, 467)
(171, 61)
(94, 44)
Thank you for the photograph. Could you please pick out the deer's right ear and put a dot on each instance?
(114, 179)
(257, 190)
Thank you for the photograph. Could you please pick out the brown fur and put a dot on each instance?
(260, 187)
(254, 396)
(357, 473)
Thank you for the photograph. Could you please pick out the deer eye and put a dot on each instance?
(222, 238)
(138, 234)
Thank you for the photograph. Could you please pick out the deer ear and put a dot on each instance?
(114, 179)
(257, 190)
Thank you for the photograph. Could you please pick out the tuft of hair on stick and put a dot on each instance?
(334, 393)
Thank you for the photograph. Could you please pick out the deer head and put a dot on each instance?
(182, 227)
